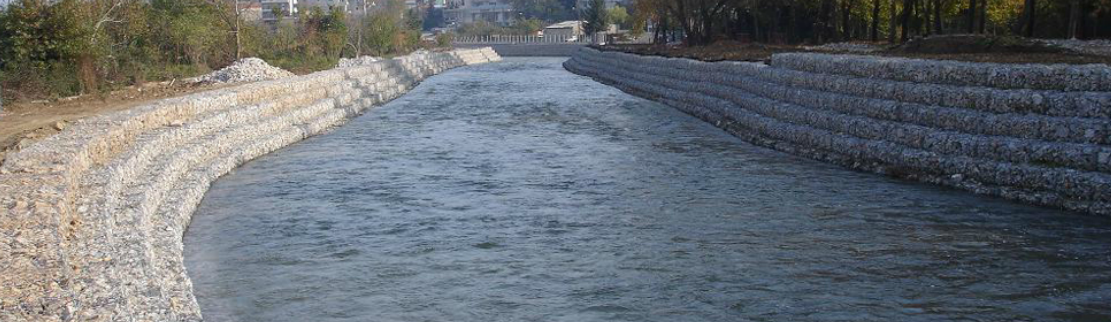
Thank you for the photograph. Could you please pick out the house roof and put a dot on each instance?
(566, 25)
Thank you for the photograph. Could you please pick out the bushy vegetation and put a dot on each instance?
(701, 22)
(57, 48)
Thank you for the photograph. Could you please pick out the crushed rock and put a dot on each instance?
(360, 61)
(244, 70)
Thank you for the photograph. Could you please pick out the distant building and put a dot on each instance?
(566, 29)
(609, 3)
(250, 11)
(272, 10)
(362, 7)
(498, 12)
(325, 5)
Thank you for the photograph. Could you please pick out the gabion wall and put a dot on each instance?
(91, 219)
(1033, 133)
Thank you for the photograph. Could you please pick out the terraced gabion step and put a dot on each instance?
(873, 101)
(1063, 169)
(150, 193)
(104, 185)
(93, 217)
(1000, 148)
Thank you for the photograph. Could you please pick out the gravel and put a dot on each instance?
(244, 70)
(360, 61)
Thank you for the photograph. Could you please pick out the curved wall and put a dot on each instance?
(1035, 133)
(91, 219)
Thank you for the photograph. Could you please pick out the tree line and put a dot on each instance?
(702, 22)
(108, 44)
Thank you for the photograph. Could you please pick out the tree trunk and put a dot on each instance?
(926, 16)
(971, 16)
(875, 32)
(755, 26)
(825, 18)
(892, 23)
(983, 16)
(792, 24)
(908, 7)
(846, 15)
(1074, 19)
(238, 43)
(938, 27)
(1030, 9)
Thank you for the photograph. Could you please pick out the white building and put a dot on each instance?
(287, 8)
(609, 3)
(498, 12)
(564, 30)
(325, 5)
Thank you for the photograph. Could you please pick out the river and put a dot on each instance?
(517, 191)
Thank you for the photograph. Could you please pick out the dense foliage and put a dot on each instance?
(112, 43)
(700, 22)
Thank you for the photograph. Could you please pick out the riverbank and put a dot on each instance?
(94, 215)
(24, 123)
(1034, 133)
(966, 48)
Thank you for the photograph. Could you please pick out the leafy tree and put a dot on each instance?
(619, 16)
(596, 16)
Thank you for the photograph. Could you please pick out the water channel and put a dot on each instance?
(517, 191)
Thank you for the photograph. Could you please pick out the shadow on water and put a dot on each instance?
(519, 192)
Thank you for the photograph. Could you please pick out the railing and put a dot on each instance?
(517, 39)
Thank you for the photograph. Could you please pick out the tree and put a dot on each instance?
(618, 16)
(596, 16)
(231, 12)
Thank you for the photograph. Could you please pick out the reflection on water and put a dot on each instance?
(519, 192)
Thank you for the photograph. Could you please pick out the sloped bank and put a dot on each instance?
(91, 219)
(1034, 133)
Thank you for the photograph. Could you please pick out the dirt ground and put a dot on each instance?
(957, 47)
(23, 123)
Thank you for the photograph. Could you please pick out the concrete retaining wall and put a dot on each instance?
(535, 49)
(1033, 133)
(91, 219)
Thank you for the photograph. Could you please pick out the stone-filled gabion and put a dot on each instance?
(244, 70)
(1034, 155)
(1064, 77)
(91, 219)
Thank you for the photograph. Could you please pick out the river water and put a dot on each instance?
(517, 191)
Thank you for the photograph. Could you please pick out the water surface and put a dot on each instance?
(517, 191)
